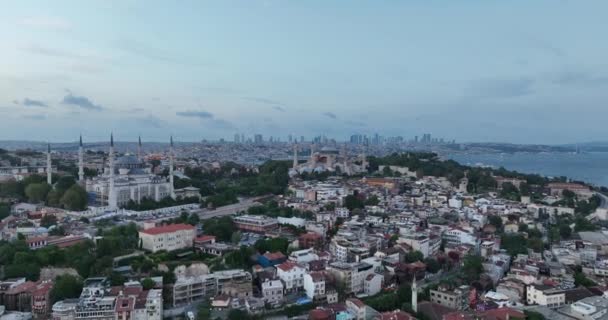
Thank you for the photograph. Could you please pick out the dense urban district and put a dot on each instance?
(332, 231)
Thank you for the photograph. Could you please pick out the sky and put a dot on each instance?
(504, 71)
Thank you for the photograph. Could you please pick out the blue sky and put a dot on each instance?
(516, 71)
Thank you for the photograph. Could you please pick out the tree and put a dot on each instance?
(66, 287)
(203, 312)
(48, 220)
(222, 228)
(472, 267)
(432, 265)
(193, 219)
(148, 284)
(75, 198)
(352, 202)
(65, 182)
(414, 256)
(272, 245)
(581, 280)
(36, 192)
(565, 231)
(496, 221)
(523, 227)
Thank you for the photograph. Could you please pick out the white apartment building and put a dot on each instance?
(373, 284)
(272, 291)
(170, 237)
(291, 274)
(455, 236)
(545, 296)
(314, 286)
(342, 212)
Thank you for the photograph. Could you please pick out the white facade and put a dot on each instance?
(132, 180)
(373, 284)
(292, 275)
(314, 286)
(272, 291)
(169, 238)
(549, 297)
(342, 212)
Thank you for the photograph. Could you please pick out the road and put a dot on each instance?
(228, 210)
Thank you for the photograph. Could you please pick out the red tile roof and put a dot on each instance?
(287, 266)
(168, 229)
(273, 256)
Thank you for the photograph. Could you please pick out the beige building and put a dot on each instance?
(545, 296)
(170, 237)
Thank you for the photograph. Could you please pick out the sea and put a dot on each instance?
(590, 167)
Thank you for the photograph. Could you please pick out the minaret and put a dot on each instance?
(295, 156)
(414, 295)
(80, 162)
(139, 149)
(171, 168)
(49, 168)
(112, 201)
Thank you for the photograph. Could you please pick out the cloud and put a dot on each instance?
(33, 103)
(222, 124)
(262, 100)
(195, 114)
(50, 23)
(141, 49)
(82, 102)
(501, 88)
(330, 115)
(45, 51)
(279, 108)
(35, 117)
(151, 121)
(355, 123)
(579, 78)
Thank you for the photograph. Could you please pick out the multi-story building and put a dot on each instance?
(314, 286)
(545, 296)
(351, 275)
(170, 237)
(65, 310)
(234, 283)
(41, 301)
(291, 274)
(455, 299)
(342, 212)
(373, 284)
(456, 236)
(94, 302)
(272, 291)
(258, 224)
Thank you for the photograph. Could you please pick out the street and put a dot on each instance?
(228, 210)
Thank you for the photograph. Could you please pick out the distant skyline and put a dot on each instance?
(473, 70)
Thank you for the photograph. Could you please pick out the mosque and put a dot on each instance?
(328, 159)
(124, 179)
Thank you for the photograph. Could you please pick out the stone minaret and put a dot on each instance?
(171, 168)
(295, 156)
(414, 295)
(139, 149)
(80, 161)
(49, 168)
(112, 201)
